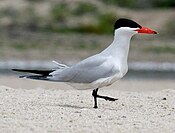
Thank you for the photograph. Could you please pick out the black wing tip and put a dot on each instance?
(22, 76)
(18, 70)
(37, 72)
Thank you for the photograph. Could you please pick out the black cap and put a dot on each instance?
(123, 22)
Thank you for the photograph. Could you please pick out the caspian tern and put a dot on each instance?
(99, 70)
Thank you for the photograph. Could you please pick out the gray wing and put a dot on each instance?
(87, 71)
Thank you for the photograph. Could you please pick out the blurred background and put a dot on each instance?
(35, 32)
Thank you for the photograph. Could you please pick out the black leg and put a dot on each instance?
(94, 94)
(107, 98)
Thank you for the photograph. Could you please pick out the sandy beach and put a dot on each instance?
(32, 106)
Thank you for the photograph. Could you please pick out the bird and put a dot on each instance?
(99, 70)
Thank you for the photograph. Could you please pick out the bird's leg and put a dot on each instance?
(107, 98)
(94, 94)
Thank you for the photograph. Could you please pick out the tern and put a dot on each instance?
(99, 70)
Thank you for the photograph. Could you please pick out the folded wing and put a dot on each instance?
(87, 71)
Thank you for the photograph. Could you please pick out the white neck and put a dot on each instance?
(119, 48)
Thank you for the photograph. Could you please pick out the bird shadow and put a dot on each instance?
(69, 106)
(80, 107)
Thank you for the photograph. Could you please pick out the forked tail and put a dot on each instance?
(37, 74)
(40, 74)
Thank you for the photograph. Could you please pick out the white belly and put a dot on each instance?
(98, 83)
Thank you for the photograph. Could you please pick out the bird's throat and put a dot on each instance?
(119, 48)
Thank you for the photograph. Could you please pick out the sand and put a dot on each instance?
(30, 106)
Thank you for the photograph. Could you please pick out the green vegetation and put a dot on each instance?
(123, 3)
(32, 20)
(19, 46)
(142, 3)
(163, 3)
(78, 16)
(105, 22)
(85, 8)
(103, 26)
(9, 12)
(60, 12)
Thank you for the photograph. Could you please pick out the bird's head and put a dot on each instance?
(130, 27)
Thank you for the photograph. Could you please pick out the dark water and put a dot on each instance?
(150, 75)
